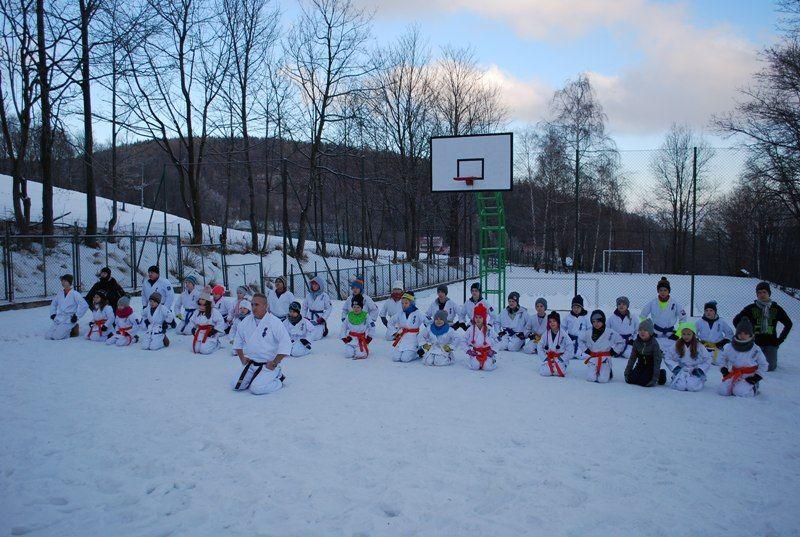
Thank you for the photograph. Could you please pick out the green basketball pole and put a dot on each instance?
(493, 244)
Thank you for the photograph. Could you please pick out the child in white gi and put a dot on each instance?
(442, 303)
(299, 329)
(479, 339)
(576, 322)
(537, 326)
(317, 308)
(439, 340)
(102, 323)
(125, 324)
(665, 313)
(66, 308)
(743, 363)
(597, 345)
(357, 330)
(624, 324)
(187, 302)
(687, 360)
(208, 326)
(512, 323)
(279, 298)
(555, 348)
(712, 331)
(390, 308)
(156, 318)
(407, 324)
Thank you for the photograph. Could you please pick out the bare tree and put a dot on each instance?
(326, 53)
(672, 167)
(18, 96)
(252, 29)
(176, 69)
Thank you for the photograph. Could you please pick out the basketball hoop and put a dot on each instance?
(468, 180)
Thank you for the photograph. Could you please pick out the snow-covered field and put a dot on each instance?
(98, 441)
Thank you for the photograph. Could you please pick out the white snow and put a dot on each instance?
(99, 441)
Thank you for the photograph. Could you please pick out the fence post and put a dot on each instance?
(291, 277)
(76, 260)
(44, 266)
(261, 272)
(106, 250)
(404, 274)
(224, 266)
(7, 276)
(694, 225)
(577, 217)
(133, 256)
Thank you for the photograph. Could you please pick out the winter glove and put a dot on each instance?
(698, 373)
(447, 348)
(721, 343)
(103, 328)
(724, 371)
(420, 352)
(320, 321)
(164, 326)
(212, 332)
(347, 339)
(509, 331)
(228, 330)
(74, 318)
(676, 370)
(173, 324)
(147, 322)
(194, 330)
(91, 323)
(368, 339)
(426, 347)
(521, 335)
(53, 317)
(305, 343)
(753, 379)
(385, 321)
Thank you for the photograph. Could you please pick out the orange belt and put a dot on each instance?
(403, 332)
(97, 324)
(206, 330)
(482, 354)
(363, 345)
(599, 355)
(552, 363)
(124, 332)
(737, 374)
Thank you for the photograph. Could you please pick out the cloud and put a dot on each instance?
(682, 72)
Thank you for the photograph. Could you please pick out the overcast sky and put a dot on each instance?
(652, 62)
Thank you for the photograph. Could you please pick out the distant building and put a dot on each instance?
(436, 243)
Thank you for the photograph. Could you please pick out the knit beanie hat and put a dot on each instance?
(663, 283)
(710, 305)
(124, 301)
(106, 270)
(475, 285)
(764, 286)
(686, 325)
(357, 283)
(647, 326)
(357, 299)
(218, 290)
(243, 290)
(479, 311)
(440, 314)
(409, 295)
(623, 300)
(205, 295)
(513, 295)
(578, 300)
(191, 278)
(245, 305)
(541, 301)
(398, 285)
(744, 326)
(294, 306)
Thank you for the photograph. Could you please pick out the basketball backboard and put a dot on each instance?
(473, 162)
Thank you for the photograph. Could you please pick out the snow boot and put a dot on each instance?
(662, 377)
(166, 341)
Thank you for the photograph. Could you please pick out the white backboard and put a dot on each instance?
(488, 159)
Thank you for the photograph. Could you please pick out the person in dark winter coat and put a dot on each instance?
(109, 286)
(764, 315)
(644, 364)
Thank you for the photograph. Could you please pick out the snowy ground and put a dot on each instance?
(98, 441)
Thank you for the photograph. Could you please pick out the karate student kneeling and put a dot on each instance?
(125, 323)
(299, 329)
(479, 338)
(688, 360)
(438, 341)
(598, 344)
(513, 321)
(555, 348)
(746, 361)
(156, 318)
(357, 330)
(261, 343)
(408, 322)
(102, 318)
(67, 307)
(208, 325)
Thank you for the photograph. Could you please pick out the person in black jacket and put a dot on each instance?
(644, 365)
(109, 285)
(764, 315)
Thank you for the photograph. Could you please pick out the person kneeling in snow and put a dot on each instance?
(746, 361)
(512, 320)
(467, 309)
(299, 329)
(442, 303)
(537, 326)
(405, 346)
(389, 309)
(623, 323)
(208, 325)
(598, 345)
(688, 360)
(555, 348)
(438, 341)
(644, 363)
(357, 330)
(714, 333)
(576, 322)
(261, 343)
(156, 318)
(188, 302)
(317, 308)
(125, 324)
(102, 318)
(66, 308)
(245, 309)
(479, 338)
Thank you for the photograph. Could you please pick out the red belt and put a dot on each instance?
(482, 354)
(552, 363)
(363, 344)
(206, 330)
(737, 374)
(403, 332)
(599, 355)
(97, 324)
(124, 332)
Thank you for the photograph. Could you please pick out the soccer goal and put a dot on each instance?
(629, 261)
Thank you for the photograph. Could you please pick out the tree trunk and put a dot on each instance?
(88, 146)
(113, 221)
(45, 136)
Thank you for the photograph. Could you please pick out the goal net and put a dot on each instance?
(630, 261)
